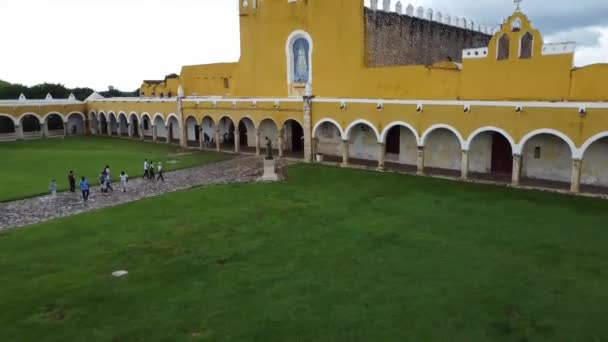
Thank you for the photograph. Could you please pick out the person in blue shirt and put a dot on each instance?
(84, 187)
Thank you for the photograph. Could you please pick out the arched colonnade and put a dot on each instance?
(544, 157)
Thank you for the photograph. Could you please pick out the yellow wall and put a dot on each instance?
(589, 83)
(205, 80)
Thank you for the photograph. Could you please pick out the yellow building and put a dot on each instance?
(506, 106)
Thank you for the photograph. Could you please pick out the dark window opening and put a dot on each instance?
(226, 83)
(537, 152)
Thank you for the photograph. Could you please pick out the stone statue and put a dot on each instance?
(269, 149)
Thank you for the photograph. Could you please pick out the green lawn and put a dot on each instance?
(28, 166)
(331, 255)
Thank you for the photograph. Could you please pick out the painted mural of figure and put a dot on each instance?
(301, 60)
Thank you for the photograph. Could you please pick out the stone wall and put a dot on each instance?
(394, 39)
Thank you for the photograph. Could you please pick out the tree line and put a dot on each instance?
(10, 91)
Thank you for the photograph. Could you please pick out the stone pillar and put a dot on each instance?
(19, 131)
(65, 129)
(344, 153)
(237, 142)
(280, 143)
(257, 143)
(154, 133)
(44, 130)
(218, 146)
(130, 130)
(141, 131)
(464, 165)
(420, 161)
(575, 184)
(201, 140)
(308, 154)
(183, 139)
(515, 177)
(168, 134)
(381, 156)
(119, 129)
(109, 127)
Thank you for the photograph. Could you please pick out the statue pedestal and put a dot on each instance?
(270, 172)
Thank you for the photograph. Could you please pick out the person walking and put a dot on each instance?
(124, 178)
(53, 187)
(72, 181)
(102, 181)
(146, 167)
(109, 183)
(84, 187)
(151, 171)
(160, 172)
(107, 170)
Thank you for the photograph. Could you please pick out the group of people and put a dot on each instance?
(105, 180)
(149, 171)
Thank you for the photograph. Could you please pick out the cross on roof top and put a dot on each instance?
(518, 3)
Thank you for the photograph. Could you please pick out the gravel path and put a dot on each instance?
(39, 209)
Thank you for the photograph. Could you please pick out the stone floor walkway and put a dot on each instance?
(39, 209)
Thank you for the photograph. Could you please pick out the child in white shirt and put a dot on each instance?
(124, 178)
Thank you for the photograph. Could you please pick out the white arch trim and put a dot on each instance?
(92, 114)
(158, 115)
(46, 116)
(213, 121)
(576, 153)
(322, 121)
(124, 115)
(14, 120)
(29, 113)
(227, 116)
(145, 114)
(293, 36)
(242, 119)
(131, 115)
(172, 115)
(433, 128)
(399, 123)
(269, 119)
(361, 122)
(490, 129)
(67, 117)
(592, 140)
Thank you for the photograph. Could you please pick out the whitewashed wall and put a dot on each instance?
(75, 120)
(408, 148)
(555, 162)
(480, 153)
(330, 140)
(191, 129)
(268, 129)
(363, 143)
(161, 131)
(442, 150)
(595, 164)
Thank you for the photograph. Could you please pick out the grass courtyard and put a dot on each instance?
(28, 166)
(330, 255)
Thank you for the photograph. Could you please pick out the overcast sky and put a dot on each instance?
(97, 43)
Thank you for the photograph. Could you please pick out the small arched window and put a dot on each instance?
(503, 47)
(526, 44)
(162, 95)
(226, 83)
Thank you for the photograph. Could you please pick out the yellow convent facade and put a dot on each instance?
(513, 109)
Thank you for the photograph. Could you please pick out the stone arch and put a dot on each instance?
(227, 129)
(247, 131)
(349, 128)
(267, 127)
(526, 43)
(173, 127)
(7, 125)
(328, 137)
(330, 121)
(547, 155)
(490, 151)
(192, 129)
(208, 130)
(113, 120)
(443, 146)
(503, 47)
(93, 122)
(102, 123)
(54, 123)
(293, 132)
(75, 122)
(123, 123)
(594, 153)
(30, 123)
(430, 130)
(146, 124)
(172, 115)
(159, 124)
(133, 124)
(401, 141)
